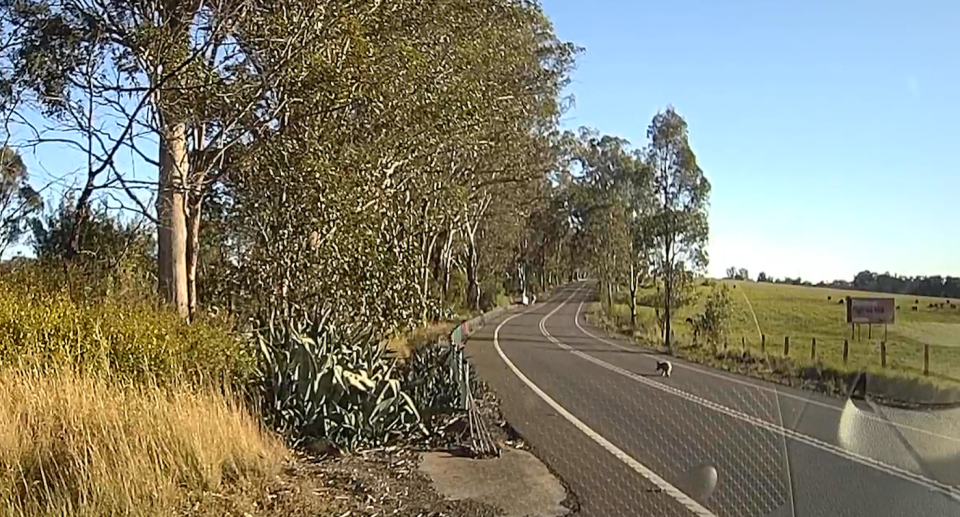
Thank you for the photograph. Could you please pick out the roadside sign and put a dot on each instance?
(871, 310)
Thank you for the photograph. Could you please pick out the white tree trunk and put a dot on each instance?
(194, 204)
(172, 218)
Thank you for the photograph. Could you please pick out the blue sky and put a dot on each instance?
(827, 128)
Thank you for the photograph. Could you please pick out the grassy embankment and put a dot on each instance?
(804, 314)
(114, 407)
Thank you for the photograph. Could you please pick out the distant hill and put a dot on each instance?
(936, 286)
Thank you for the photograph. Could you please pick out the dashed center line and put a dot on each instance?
(674, 492)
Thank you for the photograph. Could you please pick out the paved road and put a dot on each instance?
(623, 438)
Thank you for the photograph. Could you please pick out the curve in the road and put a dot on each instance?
(774, 391)
(674, 492)
(757, 422)
(790, 434)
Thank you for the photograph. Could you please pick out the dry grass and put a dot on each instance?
(805, 314)
(79, 445)
(404, 346)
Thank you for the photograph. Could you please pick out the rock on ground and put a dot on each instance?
(517, 483)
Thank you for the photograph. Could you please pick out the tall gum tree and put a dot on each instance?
(176, 76)
(678, 220)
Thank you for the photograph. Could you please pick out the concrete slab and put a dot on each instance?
(517, 482)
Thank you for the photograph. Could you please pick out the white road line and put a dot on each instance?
(906, 475)
(638, 467)
(776, 392)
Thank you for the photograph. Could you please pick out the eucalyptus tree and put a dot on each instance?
(398, 131)
(678, 222)
(604, 162)
(178, 81)
(18, 199)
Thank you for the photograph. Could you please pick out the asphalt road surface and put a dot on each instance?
(627, 441)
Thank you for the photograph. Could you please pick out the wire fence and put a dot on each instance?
(627, 441)
(921, 359)
(931, 362)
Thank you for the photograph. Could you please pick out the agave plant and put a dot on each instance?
(322, 381)
(428, 380)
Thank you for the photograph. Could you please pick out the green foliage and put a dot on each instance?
(103, 238)
(713, 324)
(113, 257)
(46, 325)
(405, 155)
(678, 220)
(492, 294)
(322, 380)
(18, 200)
(427, 379)
(738, 274)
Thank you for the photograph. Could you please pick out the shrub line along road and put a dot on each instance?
(622, 438)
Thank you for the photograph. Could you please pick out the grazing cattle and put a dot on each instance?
(917, 301)
(931, 306)
(953, 306)
(941, 305)
(829, 297)
(913, 308)
(898, 307)
(839, 302)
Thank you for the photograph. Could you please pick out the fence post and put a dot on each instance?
(786, 346)
(883, 354)
(813, 349)
(743, 342)
(465, 386)
(926, 359)
(454, 367)
(763, 343)
(846, 350)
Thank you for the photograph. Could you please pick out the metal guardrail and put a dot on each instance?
(459, 367)
(482, 443)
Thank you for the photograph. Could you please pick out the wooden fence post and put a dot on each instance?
(883, 354)
(813, 349)
(926, 359)
(786, 346)
(846, 350)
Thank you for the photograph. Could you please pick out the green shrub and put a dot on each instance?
(428, 381)
(712, 324)
(47, 325)
(492, 294)
(321, 381)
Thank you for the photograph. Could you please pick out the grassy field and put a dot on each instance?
(807, 313)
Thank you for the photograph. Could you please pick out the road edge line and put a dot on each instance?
(706, 370)
(906, 475)
(651, 476)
